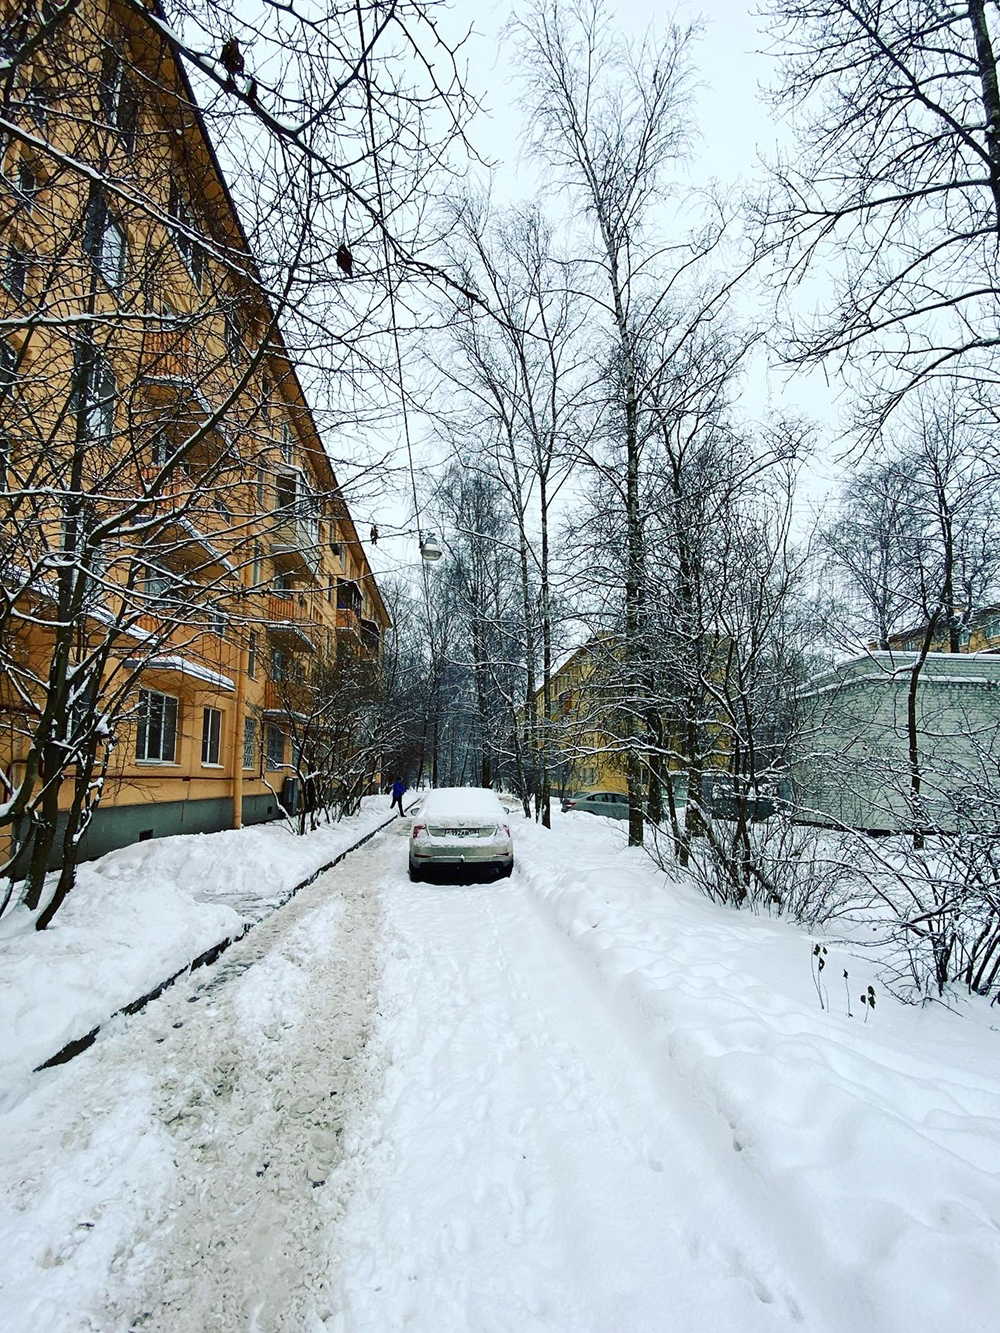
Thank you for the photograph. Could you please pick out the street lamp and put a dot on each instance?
(430, 550)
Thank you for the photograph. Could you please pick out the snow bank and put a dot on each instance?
(138, 916)
(875, 1144)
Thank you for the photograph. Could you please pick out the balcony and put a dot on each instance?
(348, 621)
(167, 359)
(371, 637)
(289, 625)
(288, 696)
(173, 380)
(295, 546)
(164, 632)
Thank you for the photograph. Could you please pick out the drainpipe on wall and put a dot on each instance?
(238, 741)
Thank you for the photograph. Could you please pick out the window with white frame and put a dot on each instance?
(286, 491)
(96, 390)
(249, 742)
(104, 241)
(156, 731)
(211, 735)
(156, 585)
(287, 443)
(163, 448)
(252, 655)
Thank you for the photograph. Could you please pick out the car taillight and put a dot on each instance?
(418, 829)
(503, 830)
(570, 805)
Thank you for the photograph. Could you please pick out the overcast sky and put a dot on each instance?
(735, 129)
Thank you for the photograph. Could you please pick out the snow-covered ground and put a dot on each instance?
(140, 915)
(584, 1100)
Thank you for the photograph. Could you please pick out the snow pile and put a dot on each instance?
(137, 917)
(871, 1148)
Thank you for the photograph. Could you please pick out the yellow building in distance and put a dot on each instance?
(178, 564)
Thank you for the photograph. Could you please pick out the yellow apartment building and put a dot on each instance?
(590, 756)
(176, 557)
(585, 726)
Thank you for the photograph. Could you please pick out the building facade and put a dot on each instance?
(853, 767)
(181, 574)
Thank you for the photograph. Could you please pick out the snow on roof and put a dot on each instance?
(168, 662)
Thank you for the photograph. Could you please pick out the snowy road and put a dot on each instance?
(526, 1173)
(571, 1102)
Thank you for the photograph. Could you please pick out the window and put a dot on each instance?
(119, 100)
(163, 448)
(36, 100)
(275, 745)
(15, 273)
(279, 665)
(252, 656)
(249, 742)
(233, 334)
(8, 367)
(211, 735)
(96, 389)
(287, 451)
(287, 490)
(26, 182)
(217, 622)
(104, 240)
(187, 247)
(261, 483)
(155, 584)
(156, 735)
(258, 565)
(265, 397)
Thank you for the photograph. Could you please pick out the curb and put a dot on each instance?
(79, 1044)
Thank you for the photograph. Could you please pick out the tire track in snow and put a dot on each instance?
(259, 1075)
(522, 1171)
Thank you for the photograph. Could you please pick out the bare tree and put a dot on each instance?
(518, 378)
(893, 185)
(610, 120)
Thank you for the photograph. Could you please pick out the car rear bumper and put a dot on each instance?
(457, 856)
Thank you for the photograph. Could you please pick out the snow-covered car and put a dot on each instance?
(611, 804)
(461, 828)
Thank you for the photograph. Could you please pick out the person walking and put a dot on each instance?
(398, 788)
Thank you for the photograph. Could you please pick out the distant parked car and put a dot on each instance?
(461, 828)
(612, 804)
(722, 800)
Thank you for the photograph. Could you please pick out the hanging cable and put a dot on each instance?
(366, 74)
